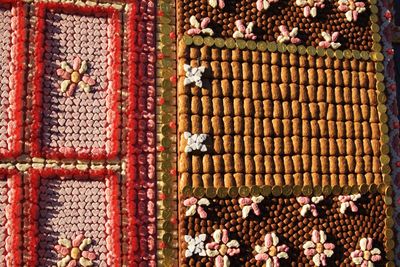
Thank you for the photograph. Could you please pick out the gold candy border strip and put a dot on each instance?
(167, 213)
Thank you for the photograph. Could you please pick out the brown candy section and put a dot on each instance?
(353, 35)
(279, 119)
(282, 216)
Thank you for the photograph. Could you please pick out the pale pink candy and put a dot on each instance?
(225, 238)
(315, 237)
(295, 40)
(307, 11)
(212, 245)
(88, 80)
(201, 212)
(329, 246)
(314, 210)
(355, 15)
(360, 4)
(72, 263)
(353, 206)
(323, 259)
(303, 200)
(276, 261)
(194, 31)
(343, 8)
(219, 261)
(221, 4)
(204, 23)
(61, 250)
(324, 44)
(255, 209)
(375, 258)
(245, 201)
(78, 240)
(283, 248)
(190, 201)
(262, 257)
(356, 254)
(260, 5)
(335, 36)
(310, 252)
(76, 63)
(369, 243)
(364, 264)
(88, 255)
(268, 240)
(251, 36)
(240, 26)
(233, 251)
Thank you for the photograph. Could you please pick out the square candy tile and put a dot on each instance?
(10, 79)
(79, 86)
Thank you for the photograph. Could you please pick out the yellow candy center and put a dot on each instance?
(367, 255)
(223, 249)
(75, 253)
(273, 251)
(320, 248)
(75, 77)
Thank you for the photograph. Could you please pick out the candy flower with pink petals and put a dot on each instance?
(74, 253)
(367, 255)
(271, 252)
(330, 40)
(200, 27)
(75, 76)
(310, 7)
(318, 249)
(221, 248)
(244, 32)
(265, 4)
(348, 202)
(308, 205)
(195, 206)
(287, 36)
(352, 9)
(247, 204)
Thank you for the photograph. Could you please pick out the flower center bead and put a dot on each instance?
(367, 255)
(223, 249)
(75, 77)
(272, 251)
(320, 248)
(75, 253)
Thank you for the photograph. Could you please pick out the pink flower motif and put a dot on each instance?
(287, 36)
(265, 4)
(388, 15)
(74, 252)
(330, 40)
(271, 252)
(318, 249)
(75, 76)
(367, 256)
(348, 202)
(352, 9)
(198, 27)
(195, 205)
(310, 6)
(308, 204)
(243, 31)
(247, 204)
(221, 248)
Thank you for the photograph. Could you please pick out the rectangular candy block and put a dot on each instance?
(75, 218)
(10, 214)
(76, 82)
(12, 31)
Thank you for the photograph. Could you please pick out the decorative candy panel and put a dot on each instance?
(74, 217)
(76, 83)
(12, 30)
(10, 218)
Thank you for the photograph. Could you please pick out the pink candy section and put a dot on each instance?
(141, 173)
(3, 228)
(5, 73)
(68, 208)
(80, 121)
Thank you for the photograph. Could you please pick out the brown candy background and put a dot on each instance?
(353, 35)
(282, 216)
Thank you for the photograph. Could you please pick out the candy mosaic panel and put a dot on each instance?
(10, 213)
(277, 118)
(74, 218)
(67, 209)
(11, 72)
(268, 15)
(281, 216)
(79, 85)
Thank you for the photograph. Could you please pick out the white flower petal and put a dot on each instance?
(326, 36)
(245, 211)
(212, 252)
(275, 239)
(238, 35)
(282, 255)
(349, 15)
(188, 253)
(203, 201)
(202, 237)
(316, 200)
(257, 199)
(227, 263)
(188, 238)
(317, 260)
(194, 22)
(328, 252)
(322, 237)
(335, 45)
(213, 3)
(217, 235)
(375, 251)
(269, 263)
(363, 244)
(309, 244)
(191, 211)
(233, 244)
(358, 260)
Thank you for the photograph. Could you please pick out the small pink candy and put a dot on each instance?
(225, 238)
(307, 11)
(355, 15)
(240, 26)
(268, 240)
(72, 263)
(335, 36)
(204, 23)
(221, 4)
(315, 237)
(201, 212)
(284, 30)
(219, 262)
(190, 201)
(343, 8)
(61, 250)
(353, 207)
(193, 31)
(360, 4)
(295, 40)
(329, 246)
(245, 201)
(323, 259)
(303, 200)
(89, 255)
(324, 44)
(309, 252)
(376, 258)
(260, 5)
(262, 257)
(369, 243)
(255, 209)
